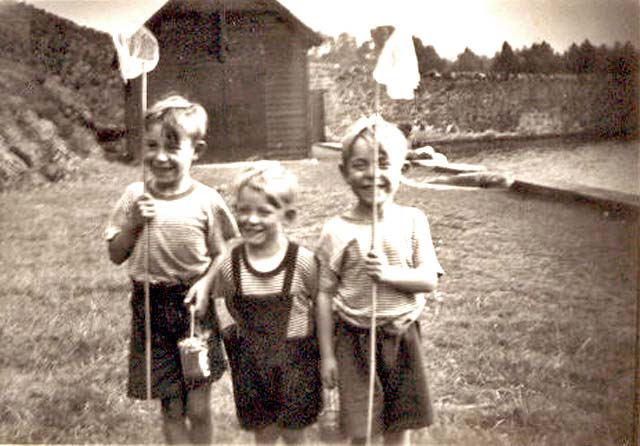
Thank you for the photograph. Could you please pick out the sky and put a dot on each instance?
(448, 25)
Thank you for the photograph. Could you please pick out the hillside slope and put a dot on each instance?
(62, 95)
(45, 129)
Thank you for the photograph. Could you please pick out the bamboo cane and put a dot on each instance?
(374, 285)
(147, 241)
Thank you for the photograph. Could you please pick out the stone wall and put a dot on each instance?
(524, 105)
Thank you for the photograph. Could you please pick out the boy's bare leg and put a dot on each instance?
(174, 424)
(293, 436)
(199, 415)
(402, 438)
(268, 434)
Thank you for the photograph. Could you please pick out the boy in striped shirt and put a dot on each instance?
(404, 266)
(187, 226)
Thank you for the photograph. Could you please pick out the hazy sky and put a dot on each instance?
(448, 25)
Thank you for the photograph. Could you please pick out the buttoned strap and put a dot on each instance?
(235, 268)
(290, 258)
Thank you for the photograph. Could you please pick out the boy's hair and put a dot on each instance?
(279, 185)
(374, 128)
(180, 114)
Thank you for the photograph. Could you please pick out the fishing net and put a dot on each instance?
(137, 53)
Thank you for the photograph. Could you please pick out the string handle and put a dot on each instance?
(192, 320)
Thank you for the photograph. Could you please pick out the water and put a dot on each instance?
(612, 165)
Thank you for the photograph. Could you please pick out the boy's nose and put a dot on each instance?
(253, 218)
(161, 156)
(372, 172)
(369, 171)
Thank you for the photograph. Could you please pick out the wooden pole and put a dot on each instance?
(147, 241)
(374, 285)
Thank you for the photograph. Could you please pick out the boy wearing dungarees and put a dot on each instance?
(269, 286)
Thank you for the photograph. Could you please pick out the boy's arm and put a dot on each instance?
(224, 236)
(122, 243)
(324, 318)
(422, 279)
(126, 225)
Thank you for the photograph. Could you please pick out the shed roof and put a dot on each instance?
(312, 38)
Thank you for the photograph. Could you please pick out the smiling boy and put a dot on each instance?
(404, 267)
(182, 227)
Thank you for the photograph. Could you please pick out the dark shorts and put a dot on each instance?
(401, 396)
(289, 394)
(169, 325)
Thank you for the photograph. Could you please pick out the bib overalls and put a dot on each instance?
(276, 380)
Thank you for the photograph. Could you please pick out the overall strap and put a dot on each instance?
(235, 267)
(291, 257)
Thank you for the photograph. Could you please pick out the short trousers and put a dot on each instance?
(169, 325)
(401, 396)
(289, 394)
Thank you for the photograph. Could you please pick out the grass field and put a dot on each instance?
(533, 345)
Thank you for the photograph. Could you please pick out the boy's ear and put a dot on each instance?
(343, 170)
(199, 148)
(290, 215)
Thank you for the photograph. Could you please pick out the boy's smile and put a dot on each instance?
(359, 174)
(168, 155)
(260, 221)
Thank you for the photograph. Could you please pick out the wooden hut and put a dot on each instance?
(245, 61)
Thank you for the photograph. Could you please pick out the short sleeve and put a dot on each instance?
(424, 252)
(329, 257)
(223, 227)
(310, 268)
(121, 212)
(223, 284)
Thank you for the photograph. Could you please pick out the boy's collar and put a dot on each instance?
(169, 196)
(388, 209)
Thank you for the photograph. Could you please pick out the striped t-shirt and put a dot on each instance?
(303, 288)
(188, 231)
(404, 238)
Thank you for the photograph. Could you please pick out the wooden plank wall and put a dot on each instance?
(286, 95)
(267, 51)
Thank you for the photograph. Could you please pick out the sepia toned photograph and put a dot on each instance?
(366, 222)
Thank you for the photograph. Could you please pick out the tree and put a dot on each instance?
(622, 60)
(468, 61)
(505, 61)
(428, 58)
(582, 59)
(540, 58)
(342, 50)
(379, 35)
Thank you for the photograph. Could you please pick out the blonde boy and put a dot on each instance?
(269, 284)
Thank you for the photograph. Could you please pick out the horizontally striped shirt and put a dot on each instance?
(404, 238)
(303, 286)
(188, 231)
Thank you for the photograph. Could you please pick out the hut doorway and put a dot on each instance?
(234, 96)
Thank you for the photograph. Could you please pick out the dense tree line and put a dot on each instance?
(539, 58)
(79, 58)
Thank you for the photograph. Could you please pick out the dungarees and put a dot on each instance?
(275, 379)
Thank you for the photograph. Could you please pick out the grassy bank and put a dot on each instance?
(533, 345)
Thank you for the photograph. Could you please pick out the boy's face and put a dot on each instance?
(168, 155)
(358, 173)
(260, 220)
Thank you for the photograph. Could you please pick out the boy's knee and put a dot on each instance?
(173, 409)
(198, 403)
(293, 436)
